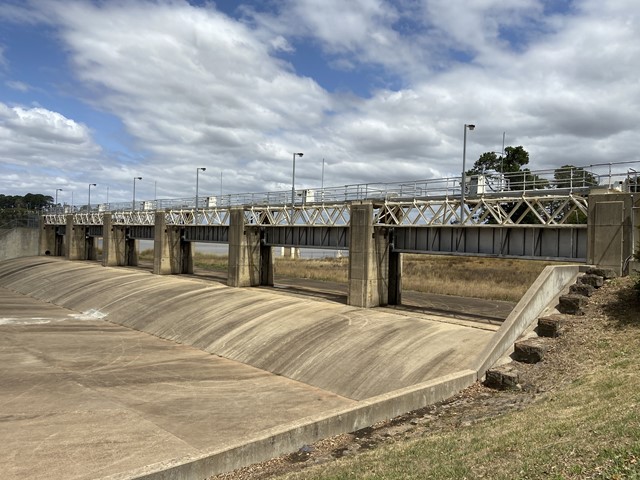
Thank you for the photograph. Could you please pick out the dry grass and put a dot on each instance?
(481, 277)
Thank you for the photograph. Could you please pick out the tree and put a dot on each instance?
(569, 176)
(512, 161)
(510, 166)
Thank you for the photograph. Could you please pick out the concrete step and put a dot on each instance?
(572, 304)
(550, 326)
(502, 377)
(530, 350)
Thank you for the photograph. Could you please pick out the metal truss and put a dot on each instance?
(133, 218)
(539, 210)
(210, 216)
(524, 209)
(312, 215)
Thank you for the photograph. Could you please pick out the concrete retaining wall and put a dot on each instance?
(547, 286)
(19, 242)
(291, 437)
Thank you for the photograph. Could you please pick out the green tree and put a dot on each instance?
(518, 178)
(513, 160)
(569, 176)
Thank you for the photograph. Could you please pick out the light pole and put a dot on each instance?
(133, 204)
(57, 190)
(293, 179)
(197, 183)
(464, 169)
(89, 201)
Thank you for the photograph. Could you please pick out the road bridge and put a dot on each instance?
(576, 223)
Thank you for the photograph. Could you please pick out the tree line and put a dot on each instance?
(511, 166)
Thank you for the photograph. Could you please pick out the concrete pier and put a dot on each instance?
(172, 255)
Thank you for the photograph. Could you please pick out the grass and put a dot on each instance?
(481, 277)
(587, 428)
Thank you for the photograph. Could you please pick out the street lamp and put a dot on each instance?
(133, 204)
(293, 179)
(464, 169)
(197, 183)
(89, 201)
(57, 190)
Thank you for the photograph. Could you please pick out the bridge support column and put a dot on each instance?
(79, 246)
(369, 249)
(250, 262)
(612, 219)
(171, 254)
(50, 242)
(117, 249)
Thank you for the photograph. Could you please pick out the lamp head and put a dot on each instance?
(471, 127)
(93, 185)
(202, 168)
(137, 178)
(299, 154)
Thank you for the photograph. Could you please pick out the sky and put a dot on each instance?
(370, 91)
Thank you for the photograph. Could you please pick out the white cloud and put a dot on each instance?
(194, 87)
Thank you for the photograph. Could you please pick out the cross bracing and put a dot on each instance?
(551, 210)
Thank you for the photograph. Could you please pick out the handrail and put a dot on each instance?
(611, 175)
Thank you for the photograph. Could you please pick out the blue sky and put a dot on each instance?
(104, 91)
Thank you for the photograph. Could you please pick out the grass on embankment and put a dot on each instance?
(481, 277)
(586, 425)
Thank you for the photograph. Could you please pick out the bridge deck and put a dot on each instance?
(91, 398)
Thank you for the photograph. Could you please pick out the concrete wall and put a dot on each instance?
(549, 284)
(19, 242)
(612, 230)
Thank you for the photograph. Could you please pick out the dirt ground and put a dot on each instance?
(569, 357)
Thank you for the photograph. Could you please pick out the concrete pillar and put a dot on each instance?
(368, 258)
(49, 242)
(76, 247)
(117, 249)
(171, 254)
(250, 262)
(611, 225)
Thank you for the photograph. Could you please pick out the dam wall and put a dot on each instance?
(356, 353)
(19, 242)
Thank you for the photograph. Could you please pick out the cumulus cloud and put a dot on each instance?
(194, 87)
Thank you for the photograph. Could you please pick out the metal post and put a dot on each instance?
(463, 185)
(197, 184)
(89, 200)
(133, 203)
(293, 180)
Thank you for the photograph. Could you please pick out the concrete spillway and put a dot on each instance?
(352, 352)
(117, 373)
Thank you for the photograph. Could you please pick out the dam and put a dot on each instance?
(117, 373)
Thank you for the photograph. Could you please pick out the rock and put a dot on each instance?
(595, 281)
(583, 289)
(605, 273)
(530, 350)
(502, 377)
(550, 326)
(572, 304)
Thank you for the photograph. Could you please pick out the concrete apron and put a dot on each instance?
(96, 400)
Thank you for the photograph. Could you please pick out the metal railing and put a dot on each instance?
(621, 176)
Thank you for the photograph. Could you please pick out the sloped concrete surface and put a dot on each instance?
(85, 395)
(353, 352)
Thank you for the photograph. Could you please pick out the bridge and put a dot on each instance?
(568, 222)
